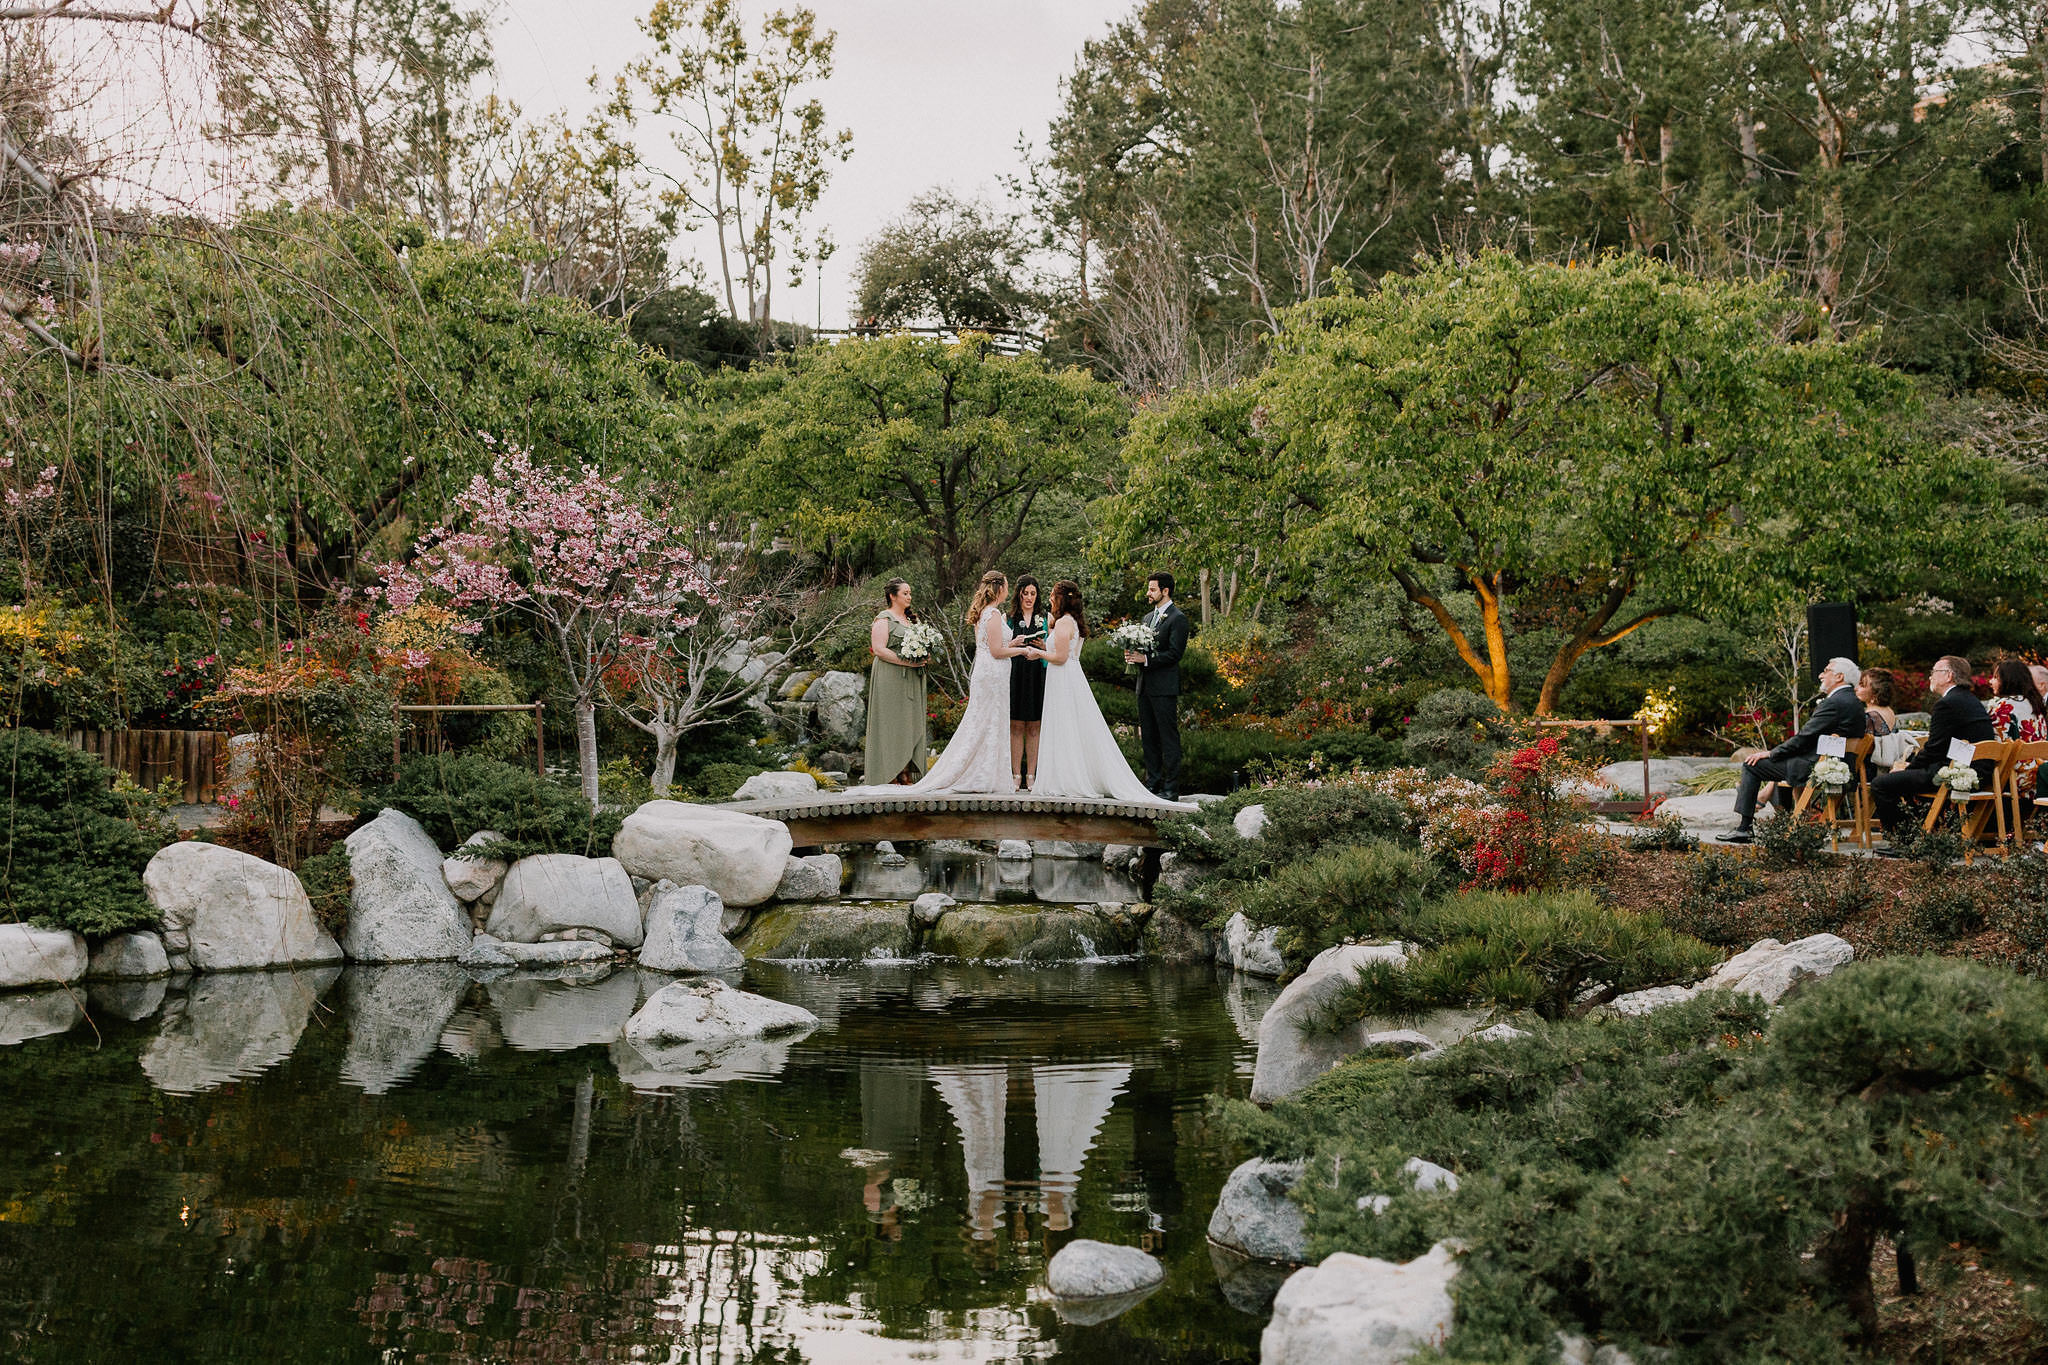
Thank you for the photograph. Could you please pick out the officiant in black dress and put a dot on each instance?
(1027, 681)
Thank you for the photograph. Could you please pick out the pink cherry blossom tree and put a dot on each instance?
(679, 680)
(598, 570)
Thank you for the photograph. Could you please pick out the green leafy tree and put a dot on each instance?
(1583, 450)
(948, 260)
(897, 443)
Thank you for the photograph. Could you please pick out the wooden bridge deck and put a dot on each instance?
(830, 818)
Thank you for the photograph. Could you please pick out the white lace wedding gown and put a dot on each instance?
(1077, 754)
(977, 758)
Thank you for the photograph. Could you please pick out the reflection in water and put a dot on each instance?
(983, 878)
(38, 1014)
(232, 1025)
(422, 1166)
(1072, 1103)
(395, 1018)
(979, 1097)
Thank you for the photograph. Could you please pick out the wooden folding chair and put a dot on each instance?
(2026, 757)
(1983, 805)
(1857, 817)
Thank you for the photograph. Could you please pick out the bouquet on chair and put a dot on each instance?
(919, 640)
(1133, 637)
(1957, 777)
(1831, 775)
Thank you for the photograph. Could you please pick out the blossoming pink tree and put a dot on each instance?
(598, 570)
(679, 680)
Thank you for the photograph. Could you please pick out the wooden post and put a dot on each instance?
(1643, 733)
(397, 720)
(540, 747)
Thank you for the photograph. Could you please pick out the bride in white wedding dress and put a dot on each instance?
(977, 757)
(1077, 754)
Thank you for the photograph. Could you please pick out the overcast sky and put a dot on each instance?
(936, 92)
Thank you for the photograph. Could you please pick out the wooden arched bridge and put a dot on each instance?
(834, 818)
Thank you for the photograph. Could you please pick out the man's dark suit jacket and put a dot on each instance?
(1958, 715)
(1839, 713)
(1159, 675)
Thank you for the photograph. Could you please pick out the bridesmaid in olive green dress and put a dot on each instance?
(898, 748)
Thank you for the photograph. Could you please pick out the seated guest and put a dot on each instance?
(1876, 690)
(2016, 707)
(2040, 672)
(1956, 715)
(1791, 763)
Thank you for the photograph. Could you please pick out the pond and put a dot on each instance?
(402, 1164)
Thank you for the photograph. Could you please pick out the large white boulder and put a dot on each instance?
(1359, 1310)
(1092, 1282)
(739, 856)
(1084, 1269)
(812, 878)
(1245, 947)
(710, 1011)
(1626, 776)
(776, 787)
(402, 909)
(39, 957)
(683, 931)
(231, 910)
(1255, 1218)
(1767, 969)
(1771, 969)
(1292, 1050)
(129, 957)
(1707, 812)
(475, 879)
(840, 710)
(553, 893)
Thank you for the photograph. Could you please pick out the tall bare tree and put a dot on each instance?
(756, 151)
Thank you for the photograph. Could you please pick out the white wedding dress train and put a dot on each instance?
(1077, 754)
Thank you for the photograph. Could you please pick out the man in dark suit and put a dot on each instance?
(1159, 687)
(1956, 715)
(1791, 763)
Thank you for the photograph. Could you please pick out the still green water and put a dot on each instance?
(402, 1164)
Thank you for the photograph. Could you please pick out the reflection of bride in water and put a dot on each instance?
(1071, 1102)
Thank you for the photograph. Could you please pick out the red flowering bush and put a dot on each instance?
(1535, 832)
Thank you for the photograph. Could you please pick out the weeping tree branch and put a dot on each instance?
(164, 17)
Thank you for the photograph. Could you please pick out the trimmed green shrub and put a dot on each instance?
(455, 795)
(1557, 953)
(1370, 890)
(718, 781)
(1458, 731)
(1686, 1180)
(68, 860)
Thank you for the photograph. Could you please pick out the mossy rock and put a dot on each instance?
(992, 933)
(1171, 938)
(829, 933)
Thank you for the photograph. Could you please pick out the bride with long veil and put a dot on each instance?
(977, 758)
(1077, 754)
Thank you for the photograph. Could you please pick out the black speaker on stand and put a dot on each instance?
(1830, 634)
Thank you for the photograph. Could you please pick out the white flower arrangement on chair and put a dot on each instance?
(1957, 777)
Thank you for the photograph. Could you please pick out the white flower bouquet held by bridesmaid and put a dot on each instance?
(919, 640)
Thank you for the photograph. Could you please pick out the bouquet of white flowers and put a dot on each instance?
(1958, 778)
(1133, 637)
(1831, 775)
(919, 640)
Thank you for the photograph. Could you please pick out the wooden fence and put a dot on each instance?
(150, 756)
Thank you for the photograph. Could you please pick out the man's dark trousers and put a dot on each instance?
(1754, 775)
(1159, 729)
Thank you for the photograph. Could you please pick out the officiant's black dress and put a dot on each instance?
(1027, 676)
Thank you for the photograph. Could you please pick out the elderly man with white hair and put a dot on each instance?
(1791, 763)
